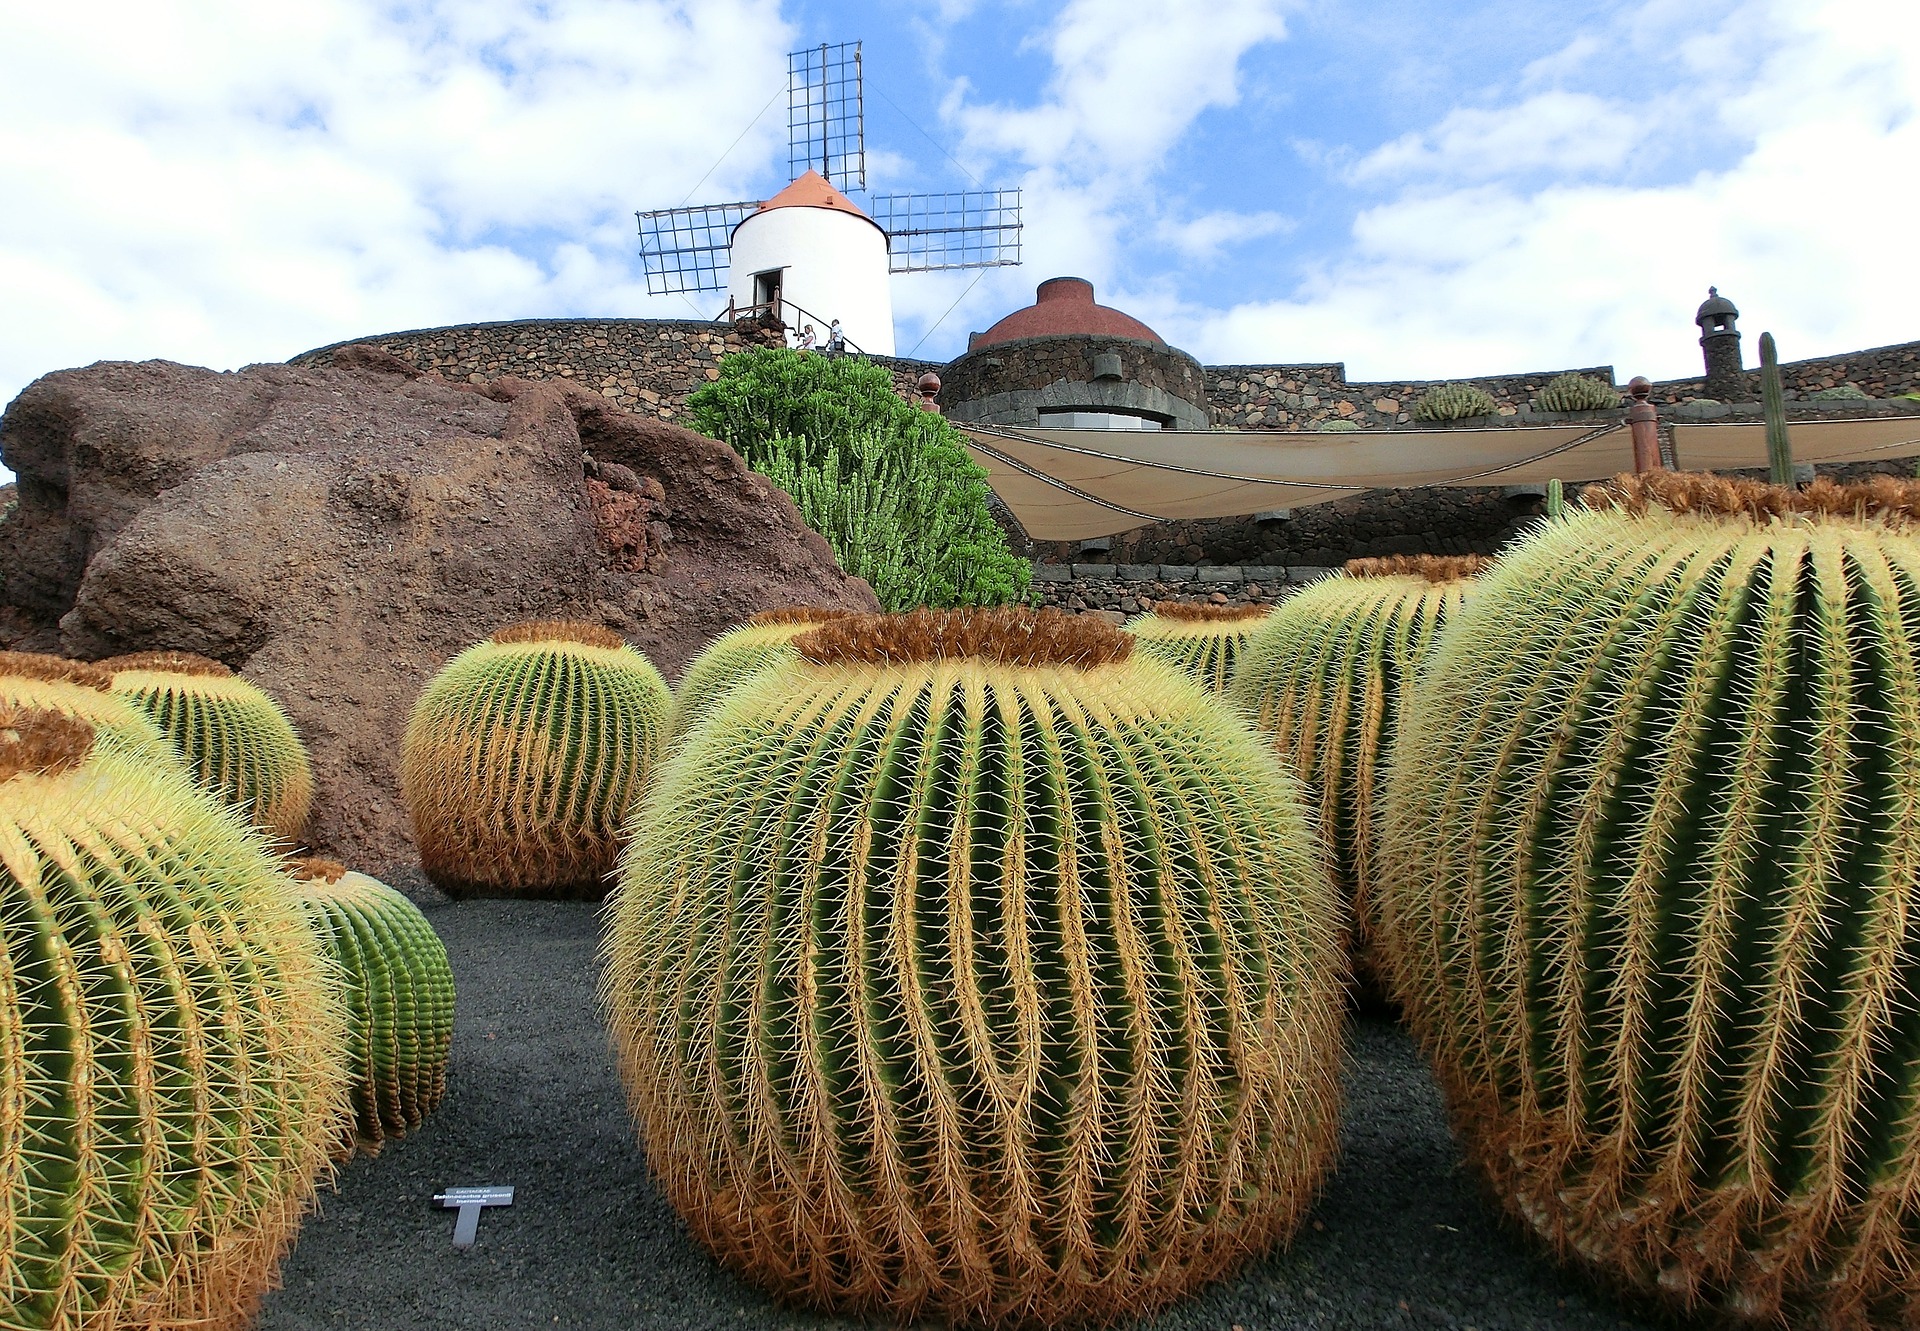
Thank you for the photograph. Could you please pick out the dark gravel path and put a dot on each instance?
(1400, 1239)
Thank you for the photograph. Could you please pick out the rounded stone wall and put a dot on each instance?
(1013, 383)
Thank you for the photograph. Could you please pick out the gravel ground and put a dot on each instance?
(1400, 1239)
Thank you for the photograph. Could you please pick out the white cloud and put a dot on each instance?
(1567, 133)
(222, 182)
(1203, 237)
(1808, 228)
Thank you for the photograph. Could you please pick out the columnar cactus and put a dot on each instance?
(1206, 641)
(85, 691)
(1454, 402)
(1576, 392)
(731, 657)
(1651, 870)
(1323, 680)
(234, 737)
(965, 967)
(524, 755)
(398, 990)
(170, 1067)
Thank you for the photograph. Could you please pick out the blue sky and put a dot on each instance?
(1419, 190)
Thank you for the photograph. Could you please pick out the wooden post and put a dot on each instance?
(1643, 419)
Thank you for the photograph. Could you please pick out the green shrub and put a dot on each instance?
(1454, 402)
(1840, 393)
(1335, 425)
(1576, 392)
(890, 486)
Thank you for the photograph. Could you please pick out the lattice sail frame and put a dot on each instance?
(827, 115)
(976, 228)
(685, 249)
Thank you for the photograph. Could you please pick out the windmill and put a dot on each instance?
(809, 254)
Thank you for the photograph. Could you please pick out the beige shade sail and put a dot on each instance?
(1731, 446)
(1069, 485)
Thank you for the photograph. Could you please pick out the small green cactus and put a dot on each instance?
(234, 737)
(1205, 641)
(398, 996)
(1651, 865)
(524, 755)
(1773, 404)
(1335, 425)
(1841, 393)
(965, 967)
(731, 657)
(1576, 392)
(1322, 681)
(81, 689)
(1454, 402)
(170, 1043)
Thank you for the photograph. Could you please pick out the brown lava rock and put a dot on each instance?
(337, 534)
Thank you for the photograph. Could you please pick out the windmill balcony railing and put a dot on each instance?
(780, 310)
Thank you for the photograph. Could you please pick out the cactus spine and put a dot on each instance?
(234, 737)
(1205, 641)
(1773, 403)
(1651, 850)
(84, 691)
(1454, 402)
(398, 989)
(524, 755)
(1323, 681)
(170, 1079)
(964, 967)
(730, 658)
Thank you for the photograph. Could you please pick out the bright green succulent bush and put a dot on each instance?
(170, 1043)
(235, 739)
(890, 486)
(1454, 402)
(1651, 877)
(1576, 392)
(397, 987)
(524, 755)
(966, 967)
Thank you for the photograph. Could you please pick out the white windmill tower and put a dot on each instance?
(809, 254)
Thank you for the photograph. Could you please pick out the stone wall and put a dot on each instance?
(648, 366)
(1013, 383)
(1881, 372)
(1301, 397)
(1120, 590)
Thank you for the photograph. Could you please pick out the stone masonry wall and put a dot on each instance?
(1010, 381)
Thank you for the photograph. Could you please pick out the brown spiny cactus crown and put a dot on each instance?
(1200, 612)
(1005, 636)
(55, 670)
(168, 663)
(560, 630)
(799, 614)
(1891, 500)
(1434, 568)
(40, 742)
(311, 868)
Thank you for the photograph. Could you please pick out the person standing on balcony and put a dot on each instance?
(807, 339)
(836, 340)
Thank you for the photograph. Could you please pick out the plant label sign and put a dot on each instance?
(470, 1201)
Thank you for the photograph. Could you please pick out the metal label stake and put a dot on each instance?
(470, 1201)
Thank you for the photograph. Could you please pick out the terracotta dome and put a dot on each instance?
(1063, 306)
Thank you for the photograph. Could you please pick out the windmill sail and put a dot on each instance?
(685, 249)
(977, 228)
(826, 115)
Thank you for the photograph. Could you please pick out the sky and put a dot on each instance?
(1419, 190)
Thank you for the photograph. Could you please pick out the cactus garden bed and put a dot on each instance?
(1399, 1239)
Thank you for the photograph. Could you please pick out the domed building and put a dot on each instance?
(1067, 361)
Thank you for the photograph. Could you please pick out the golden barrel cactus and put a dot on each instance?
(236, 740)
(1204, 640)
(1651, 892)
(968, 967)
(525, 754)
(764, 639)
(398, 990)
(83, 690)
(170, 1066)
(1323, 680)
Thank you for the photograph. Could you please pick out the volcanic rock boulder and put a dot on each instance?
(337, 534)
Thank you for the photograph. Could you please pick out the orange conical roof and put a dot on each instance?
(812, 191)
